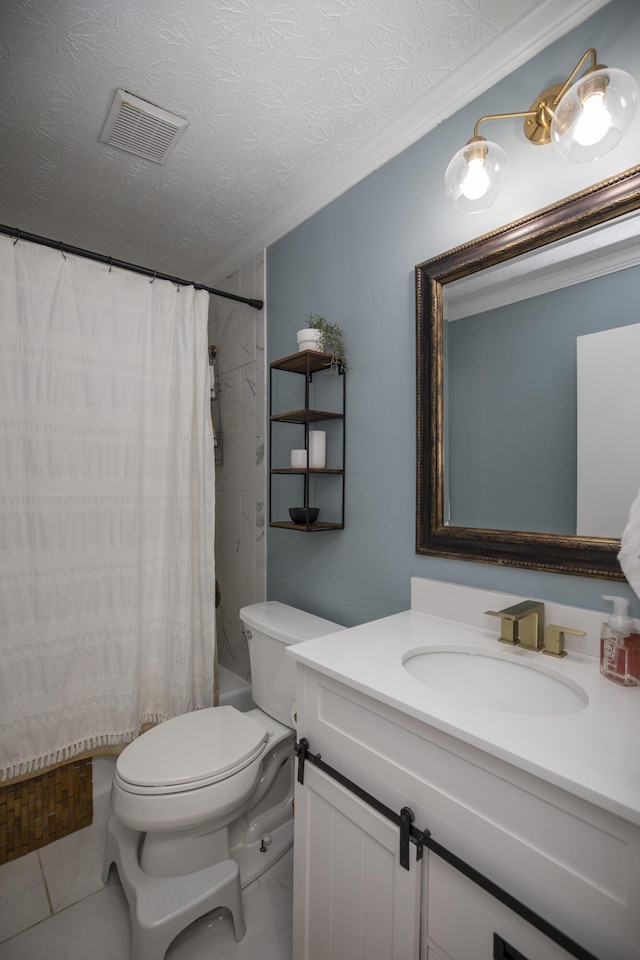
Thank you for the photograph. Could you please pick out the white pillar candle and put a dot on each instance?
(317, 449)
(298, 459)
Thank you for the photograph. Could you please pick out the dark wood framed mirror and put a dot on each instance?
(520, 438)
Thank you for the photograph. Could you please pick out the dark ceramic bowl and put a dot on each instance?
(304, 514)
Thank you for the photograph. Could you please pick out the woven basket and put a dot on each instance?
(44, 808)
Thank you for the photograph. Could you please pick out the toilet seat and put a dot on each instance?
(166, 807)
(191, 751)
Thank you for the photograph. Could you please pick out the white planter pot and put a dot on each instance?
(308, 339)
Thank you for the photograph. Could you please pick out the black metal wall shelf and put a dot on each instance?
(307, 363)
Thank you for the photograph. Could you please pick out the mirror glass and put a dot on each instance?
(528, 391)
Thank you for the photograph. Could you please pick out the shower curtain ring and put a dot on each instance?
(17, 237)
(155, 273)
(62, 251)
(110, 263)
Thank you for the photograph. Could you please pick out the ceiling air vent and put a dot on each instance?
(142, 128)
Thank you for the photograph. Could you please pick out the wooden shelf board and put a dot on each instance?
(305, 416)
(297, 362)
(333, 471)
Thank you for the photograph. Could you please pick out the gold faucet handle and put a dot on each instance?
(554, 639)
(508, 626)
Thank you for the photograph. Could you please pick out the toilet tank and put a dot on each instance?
(270, 627)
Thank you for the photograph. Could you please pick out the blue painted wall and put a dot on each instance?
(353, 262)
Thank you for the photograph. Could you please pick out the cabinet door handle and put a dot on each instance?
(504, 951)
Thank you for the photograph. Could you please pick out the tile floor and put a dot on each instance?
(53, 905)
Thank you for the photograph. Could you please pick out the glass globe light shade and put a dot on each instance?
(594, 114)
(476, 175)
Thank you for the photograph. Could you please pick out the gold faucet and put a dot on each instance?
(523, 624)
(554, 639)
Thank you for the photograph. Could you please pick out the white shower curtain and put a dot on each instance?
(107, 581)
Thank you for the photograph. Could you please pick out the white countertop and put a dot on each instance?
(593, 753)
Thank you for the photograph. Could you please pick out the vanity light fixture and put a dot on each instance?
(584, 118)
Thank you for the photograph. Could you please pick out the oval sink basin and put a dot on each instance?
(494, 682)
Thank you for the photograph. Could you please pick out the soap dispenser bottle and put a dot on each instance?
(620, 645)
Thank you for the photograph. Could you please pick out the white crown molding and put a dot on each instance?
(537, 29)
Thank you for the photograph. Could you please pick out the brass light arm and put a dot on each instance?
(590, 53)
(539, 116)
(501, 116)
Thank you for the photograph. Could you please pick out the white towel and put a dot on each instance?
(629, 555)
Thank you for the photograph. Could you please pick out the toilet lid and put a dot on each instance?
(193, 749)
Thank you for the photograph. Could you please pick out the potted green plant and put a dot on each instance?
(330, 340)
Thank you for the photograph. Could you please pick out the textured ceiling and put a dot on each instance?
(277, 93)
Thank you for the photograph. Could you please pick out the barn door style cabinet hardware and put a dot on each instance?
(314, 395)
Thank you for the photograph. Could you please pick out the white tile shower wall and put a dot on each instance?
(238, 331)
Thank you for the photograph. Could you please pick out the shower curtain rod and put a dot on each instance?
(133, 267)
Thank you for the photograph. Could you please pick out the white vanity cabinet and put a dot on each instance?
(354, 898)
(463, 922)
(573, 863)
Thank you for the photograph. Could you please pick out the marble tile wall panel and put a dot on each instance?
(236, 335)
(230, 404)
(238, 471)
(228, 521)
(233, 652)
(238, 331)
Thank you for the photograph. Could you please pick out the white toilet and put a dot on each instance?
(217, 784)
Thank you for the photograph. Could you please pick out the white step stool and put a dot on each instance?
(161, 907)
